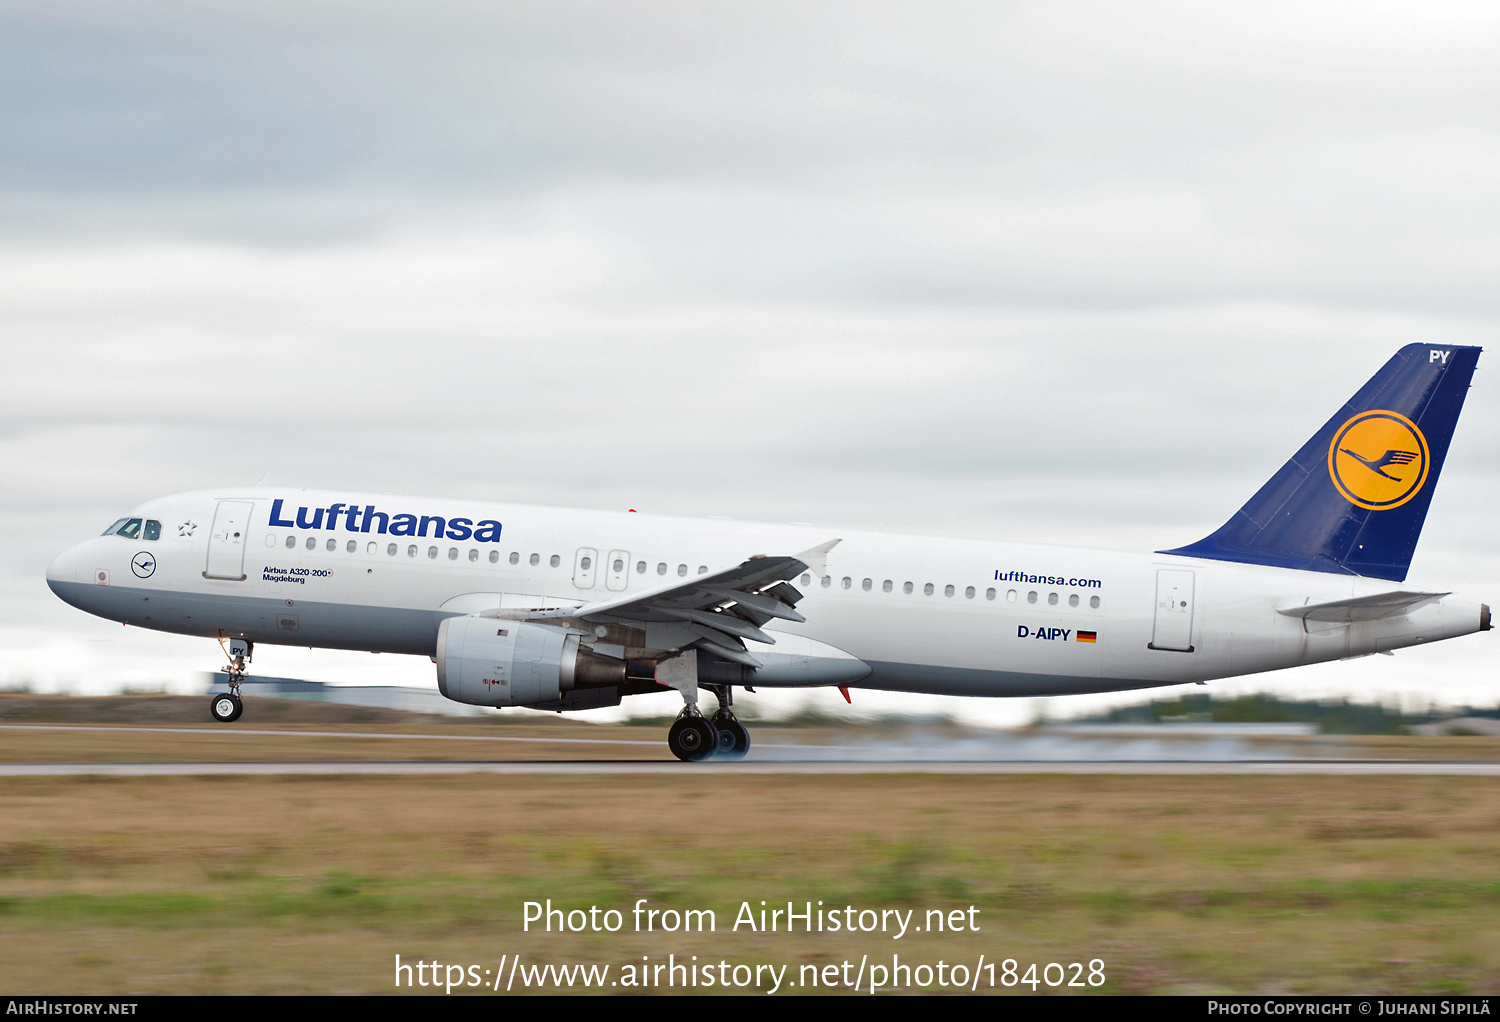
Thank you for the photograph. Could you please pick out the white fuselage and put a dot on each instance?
(927, 614)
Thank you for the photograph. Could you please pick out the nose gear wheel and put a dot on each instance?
(226, 707)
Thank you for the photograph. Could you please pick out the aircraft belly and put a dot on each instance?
(966, 681)
(262, 619)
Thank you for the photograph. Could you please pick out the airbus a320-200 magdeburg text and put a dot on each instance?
(569, 610)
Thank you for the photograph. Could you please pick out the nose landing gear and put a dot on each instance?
(227, 707)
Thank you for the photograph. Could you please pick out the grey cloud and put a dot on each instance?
(1073, 273)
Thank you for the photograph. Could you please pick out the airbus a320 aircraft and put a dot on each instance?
(569, 610)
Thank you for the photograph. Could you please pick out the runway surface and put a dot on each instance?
(990, 755)
(419, 767)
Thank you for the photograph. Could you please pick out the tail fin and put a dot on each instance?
(1354, 498)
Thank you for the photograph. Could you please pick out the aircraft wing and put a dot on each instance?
(714, 611)
(1363, 608)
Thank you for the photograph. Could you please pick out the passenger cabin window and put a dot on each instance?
(681, 570)
(515, 557)
(969, 593)
(866, 585)
(1073, 600)
(536, 559)
(947, 590)
(291, 542)
(827, 581)
(907, 588)
(351, 546)
(640, 567)
(927, 589)
(473, 555)
(333, 545)
(432, 553)
(373, 548)
(555, 560)
(411, 551)
(494, 557)
(989, 594)
(619, 565)
(887, 585)
(703, 569)
(1052, 599)
(153, 529)
(390, 550)
(661, 569)
(847, 581)
(1094, 602)
(312, 542)
(585, 563)
(453, 553)
(1031, 596)
(807, 580)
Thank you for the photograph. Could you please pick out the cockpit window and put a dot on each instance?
(131, 528)
(115, 527)
(153, 529)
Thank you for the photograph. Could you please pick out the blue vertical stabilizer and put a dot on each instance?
(1354, 498)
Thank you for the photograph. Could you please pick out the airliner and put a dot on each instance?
(561, 609)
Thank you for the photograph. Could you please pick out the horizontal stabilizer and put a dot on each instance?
(1363, 608)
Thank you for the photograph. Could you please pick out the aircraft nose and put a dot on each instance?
(64, 568)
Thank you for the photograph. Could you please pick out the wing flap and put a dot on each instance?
(715, 611)
(701, 592)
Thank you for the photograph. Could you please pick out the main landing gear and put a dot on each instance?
(732, 739)
(226, 707)
(693, 738)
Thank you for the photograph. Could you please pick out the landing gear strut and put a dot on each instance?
(227, 707)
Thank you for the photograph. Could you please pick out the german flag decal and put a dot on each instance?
(1088, 636)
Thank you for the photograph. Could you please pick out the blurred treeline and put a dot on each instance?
(1339, 717)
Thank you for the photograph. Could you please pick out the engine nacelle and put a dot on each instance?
(500, 662)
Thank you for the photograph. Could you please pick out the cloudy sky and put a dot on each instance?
(1078, 273)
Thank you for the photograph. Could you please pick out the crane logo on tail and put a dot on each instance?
(1378, 460)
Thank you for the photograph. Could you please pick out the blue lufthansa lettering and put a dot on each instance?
(366, 518)
(370, 515)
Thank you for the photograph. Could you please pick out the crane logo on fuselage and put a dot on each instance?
(1378, 459)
